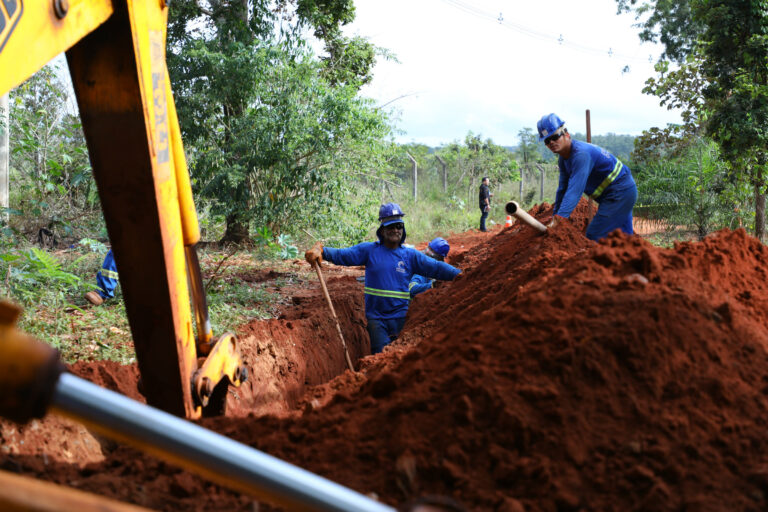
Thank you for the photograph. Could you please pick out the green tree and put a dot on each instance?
(273, 132)
(474, 158)
(680, 89)
(51, 178)
(732, 38)
(693, 189)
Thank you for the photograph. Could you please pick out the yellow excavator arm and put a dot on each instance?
(116, 57)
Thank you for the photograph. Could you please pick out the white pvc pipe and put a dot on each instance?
(514, 209)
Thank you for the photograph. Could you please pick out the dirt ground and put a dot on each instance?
(554, 374)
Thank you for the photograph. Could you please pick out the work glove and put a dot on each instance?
(315, 254)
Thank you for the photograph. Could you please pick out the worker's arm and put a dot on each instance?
(429, 267)
(351, 256)
(580, 169)
(419, 284)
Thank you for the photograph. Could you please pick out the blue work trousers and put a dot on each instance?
(483, 216)
(613, 212)
(107, 277)
(384, 332)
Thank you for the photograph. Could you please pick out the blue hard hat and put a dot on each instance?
(548, 125)
(390, 213)
(440, 246)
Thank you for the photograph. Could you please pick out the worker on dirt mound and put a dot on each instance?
(437, 249)
(389, 267)
(591, 170)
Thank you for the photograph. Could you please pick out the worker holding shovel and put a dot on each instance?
(389, 267)
(590, 170)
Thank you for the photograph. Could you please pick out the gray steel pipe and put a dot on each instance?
(514, 209)
(219, 458)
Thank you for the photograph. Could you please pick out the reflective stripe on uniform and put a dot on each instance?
(109, 274)
(608, 180)
(411, 285)
(392, 294)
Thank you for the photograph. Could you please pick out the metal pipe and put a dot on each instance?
(514, 209)
(223, 460)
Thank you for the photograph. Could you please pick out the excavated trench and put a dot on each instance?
(554, 374)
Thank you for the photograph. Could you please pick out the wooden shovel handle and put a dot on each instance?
(333, 313)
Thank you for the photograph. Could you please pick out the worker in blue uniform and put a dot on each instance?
(591, 170)
(389, 267)
(437, 249)
(106, 279)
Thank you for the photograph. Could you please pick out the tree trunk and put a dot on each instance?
(237, 231)
(522, 181)
(759, 208)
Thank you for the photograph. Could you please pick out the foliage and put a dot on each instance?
(50, 170)
(273, 132)
(671, 23)
(732, 40)
(693, 190)
(28, 271)
(93, 245)
(475, 158)
(680, 89)
(280, 246)
(527, 150)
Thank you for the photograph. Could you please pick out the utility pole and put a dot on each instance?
(445, 174)
(4, 152)
(415, 176)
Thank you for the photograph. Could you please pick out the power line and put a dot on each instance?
(541, 36)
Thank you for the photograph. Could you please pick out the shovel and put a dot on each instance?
(333, 313)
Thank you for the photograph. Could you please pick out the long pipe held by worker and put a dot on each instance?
(514, 209)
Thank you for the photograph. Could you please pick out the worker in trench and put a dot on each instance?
(438, 248)
(389, 267)
(591, 170)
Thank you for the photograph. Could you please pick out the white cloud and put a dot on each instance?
(461, 69)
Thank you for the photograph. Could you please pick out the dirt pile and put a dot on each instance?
(554, 375)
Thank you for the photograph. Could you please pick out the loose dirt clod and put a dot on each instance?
(554, 374)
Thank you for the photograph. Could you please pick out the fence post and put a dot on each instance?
(445, 174)
(541, 184)
(415, 176)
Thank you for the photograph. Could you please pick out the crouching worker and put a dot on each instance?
(590, 170)
(388, 270)
(106, 279)
(438, 249)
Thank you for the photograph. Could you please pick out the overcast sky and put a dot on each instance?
(462, 68)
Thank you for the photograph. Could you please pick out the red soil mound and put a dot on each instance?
(555, 374)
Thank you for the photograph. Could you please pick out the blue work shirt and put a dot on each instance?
(585, 171)
(388, 273)
(419, 284)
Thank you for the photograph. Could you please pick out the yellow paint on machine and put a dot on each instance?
(32, 34)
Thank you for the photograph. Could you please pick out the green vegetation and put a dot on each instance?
(719, 80)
